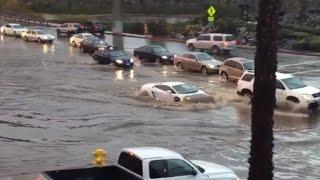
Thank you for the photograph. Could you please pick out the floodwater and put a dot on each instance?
(57, 106)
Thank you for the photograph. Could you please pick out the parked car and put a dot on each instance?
(154, 53)
(77, 39)
(12, 29)
(92, 45)
(233, 68)
(175, 92)
(37, 35)
(214, 41)
(289, 89)
(116, 56)
(93, 28)
(202, 62)
(146, 163)
(68, 28)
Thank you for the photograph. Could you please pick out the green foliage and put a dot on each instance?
(225, 25)
(300, 45)
(314, 43)
(161, 28)
(134, 27)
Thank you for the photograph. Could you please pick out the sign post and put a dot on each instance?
(211, 12)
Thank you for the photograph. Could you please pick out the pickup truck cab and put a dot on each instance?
(147, 163)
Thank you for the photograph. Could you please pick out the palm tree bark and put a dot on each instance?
(263, 103)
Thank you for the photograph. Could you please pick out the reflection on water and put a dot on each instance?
(71, 51)
(48, 48)
(164, 71)
(124, 74)
(283, 119)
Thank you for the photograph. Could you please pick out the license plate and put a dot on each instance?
(128, 64)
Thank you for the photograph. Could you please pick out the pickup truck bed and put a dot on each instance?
(104, 173)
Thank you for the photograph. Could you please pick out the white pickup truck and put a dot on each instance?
(146, 163)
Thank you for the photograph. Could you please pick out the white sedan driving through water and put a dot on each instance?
(175, 92)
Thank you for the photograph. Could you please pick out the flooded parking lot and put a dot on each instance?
(57, 106)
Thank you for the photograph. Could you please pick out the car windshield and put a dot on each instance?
(89, 36)
(230, 38)
(40, 32)
(17, 26)
(293, 83)
(118, 53)
(204, 57)
(248, 66)
(159, 49)
(185, 89)
(99, 42)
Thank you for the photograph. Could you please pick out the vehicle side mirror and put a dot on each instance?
(194, 172)
(169, 92)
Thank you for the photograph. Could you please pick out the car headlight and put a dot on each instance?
(164, 57)
(131, 60)
(101, 49)
(187, 98)
(211, 66)
(119, 61)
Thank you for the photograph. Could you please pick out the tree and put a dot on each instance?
(263, 103)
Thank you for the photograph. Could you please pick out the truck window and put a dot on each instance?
(169, 168)
(130, 162)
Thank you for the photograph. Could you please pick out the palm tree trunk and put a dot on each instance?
(261, 164)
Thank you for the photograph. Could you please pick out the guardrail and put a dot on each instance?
(24, 20)
(14, 16)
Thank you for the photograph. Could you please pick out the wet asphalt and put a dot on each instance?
(57, 106)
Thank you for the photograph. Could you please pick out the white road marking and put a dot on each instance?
(298, 64)
(304, 72)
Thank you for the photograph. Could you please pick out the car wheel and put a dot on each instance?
(292, 103)
(215, 50)
(74, 44)
(83, 49)
(180, 66)
(224, 76)
(39, 40)
(248, 96)
(58, 32)
(204, 70)
(191, 47)
(137, 56)
(26, 38)
(14, 34)
(4, 32)
(176, 99)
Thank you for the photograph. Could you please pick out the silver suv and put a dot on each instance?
(215, 41)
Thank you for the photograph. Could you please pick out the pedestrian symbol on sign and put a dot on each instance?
(211, 11)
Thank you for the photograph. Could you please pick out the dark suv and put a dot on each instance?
(93, 28)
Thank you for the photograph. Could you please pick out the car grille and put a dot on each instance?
(316, 95)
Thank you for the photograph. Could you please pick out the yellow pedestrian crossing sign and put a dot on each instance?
(211, 11)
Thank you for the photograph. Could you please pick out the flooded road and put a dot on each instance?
(57, 106)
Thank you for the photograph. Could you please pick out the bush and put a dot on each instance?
(161, 28)
(226, 26)
(314, 43)
(133, 27)
(285, 34)
(300, 45)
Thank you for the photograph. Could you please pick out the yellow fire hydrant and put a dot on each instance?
(99, 157)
